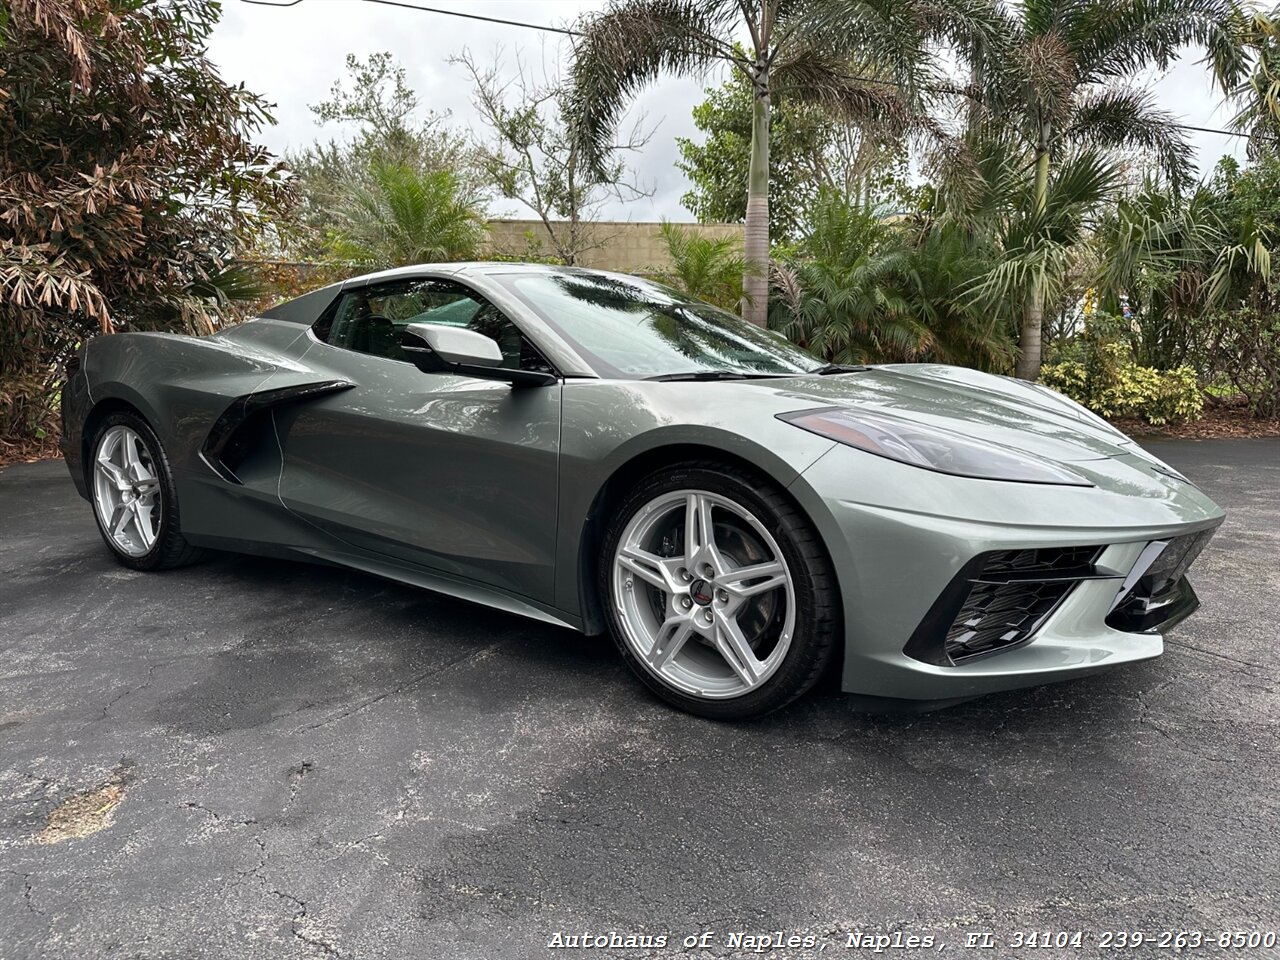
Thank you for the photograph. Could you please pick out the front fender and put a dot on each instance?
(609, 425)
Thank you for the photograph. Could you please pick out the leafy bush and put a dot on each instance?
(1241, 348)
(1106, 379)
(128, 182)
(862, 288)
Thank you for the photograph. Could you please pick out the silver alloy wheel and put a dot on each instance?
(685, 585)
(126, 491)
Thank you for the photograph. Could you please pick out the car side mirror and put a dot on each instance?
(451, 345)
(437, 348)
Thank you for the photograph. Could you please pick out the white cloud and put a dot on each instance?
(293, 54)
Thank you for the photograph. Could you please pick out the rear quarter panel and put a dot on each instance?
(181, 385)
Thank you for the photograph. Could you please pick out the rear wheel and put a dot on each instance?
(134, 500)
(718, 592)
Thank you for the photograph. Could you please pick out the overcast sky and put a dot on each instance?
(292, 56)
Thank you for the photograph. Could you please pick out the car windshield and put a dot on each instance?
(630, 328)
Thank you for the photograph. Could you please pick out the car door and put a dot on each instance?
(450, 472)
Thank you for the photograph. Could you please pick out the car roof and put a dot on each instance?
(478, 268)
(308, 307)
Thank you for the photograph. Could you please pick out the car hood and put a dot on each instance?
(1001, 410)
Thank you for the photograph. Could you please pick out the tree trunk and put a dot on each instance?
(755, 281)
(1029, 340)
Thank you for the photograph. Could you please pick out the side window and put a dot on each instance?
(372, 320)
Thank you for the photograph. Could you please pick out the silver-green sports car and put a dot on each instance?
(597, 451)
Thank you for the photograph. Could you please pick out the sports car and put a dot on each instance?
(601, 452)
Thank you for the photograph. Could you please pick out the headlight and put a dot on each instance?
(930, 447)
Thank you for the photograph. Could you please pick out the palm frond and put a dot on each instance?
(976, 29)
(816, 76)
(1250, 250)
(630, 45)
(402, 216)
(1117, 40)
(889, 33)
(1155, 235)
(232, 284)
(1080, 186)
(1130, 118)
(706, 268)
(1258, 93)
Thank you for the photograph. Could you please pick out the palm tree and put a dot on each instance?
(864, 59)
(403, 216)
(1039, 231)
(1057, 80)
(1178, 259)
(1160, 251)
(708, 268)
(1258, 93)
(944, 261)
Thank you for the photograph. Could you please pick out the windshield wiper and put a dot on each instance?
(830, 368)
(714, 375)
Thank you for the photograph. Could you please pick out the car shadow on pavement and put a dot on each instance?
(300, 636)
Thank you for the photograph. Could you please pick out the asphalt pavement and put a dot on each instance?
(251, 758)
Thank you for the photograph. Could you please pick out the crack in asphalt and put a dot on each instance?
(28, 891)
(220, 818)
(296, 776)
(1145, 719)
(257, 873)
(106, 709)
(301, 914)
(399, 688)
(1183, 645)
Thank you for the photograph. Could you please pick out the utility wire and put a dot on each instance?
(448, 13)
(565, 31)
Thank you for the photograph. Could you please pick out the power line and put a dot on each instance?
(1225, 133)
(447, 13)
(565, 31)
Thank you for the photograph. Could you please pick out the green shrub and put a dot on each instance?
(1111, 384)
(1238, 353)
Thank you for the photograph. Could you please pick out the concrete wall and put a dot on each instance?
(618, 245)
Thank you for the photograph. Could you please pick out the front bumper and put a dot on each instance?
(900, 560)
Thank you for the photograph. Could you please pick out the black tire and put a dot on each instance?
(170, 549)
(818, 619)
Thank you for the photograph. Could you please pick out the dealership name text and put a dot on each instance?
(735, 940)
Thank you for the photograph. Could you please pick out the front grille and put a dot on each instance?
(998, 601)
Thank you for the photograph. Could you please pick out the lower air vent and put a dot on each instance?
(1156, 593)
(998, 601)
(1043, 560)
(1000, 615)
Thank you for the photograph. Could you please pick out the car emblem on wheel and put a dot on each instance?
(700, 590)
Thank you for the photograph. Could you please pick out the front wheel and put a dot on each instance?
(718, 591)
